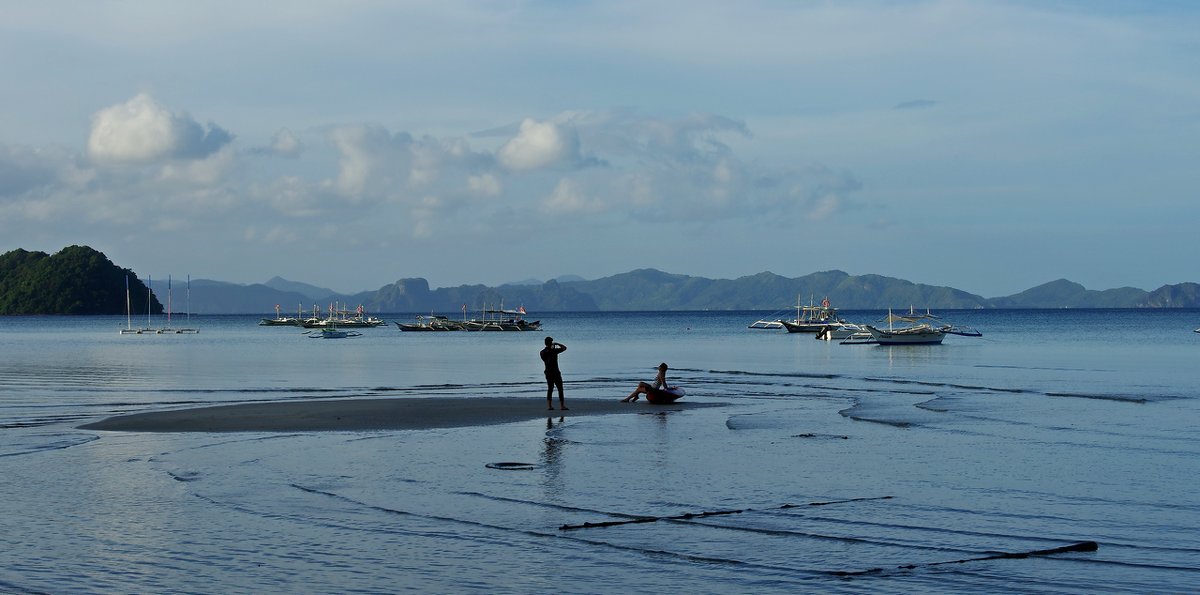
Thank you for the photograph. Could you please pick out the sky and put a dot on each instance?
(984, 145)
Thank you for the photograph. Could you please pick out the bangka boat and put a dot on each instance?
(341, 317)
(914, 329)
(280, 320)
(502, 320)
(431, 323)
(811, 318)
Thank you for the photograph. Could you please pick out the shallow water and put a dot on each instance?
(834, 468)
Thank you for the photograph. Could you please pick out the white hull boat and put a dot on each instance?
(923, 334)
(914, 329)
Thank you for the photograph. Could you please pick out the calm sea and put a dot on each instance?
(833, 468)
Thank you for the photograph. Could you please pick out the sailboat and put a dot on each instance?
(129, 330)
(178, 331)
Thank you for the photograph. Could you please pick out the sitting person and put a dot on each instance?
(660, 383)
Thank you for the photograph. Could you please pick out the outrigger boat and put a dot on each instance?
(915, 329)
(811, 318)
(433, 322)
(280, 320)
(764, 324)
(502, 320)
(341, 317)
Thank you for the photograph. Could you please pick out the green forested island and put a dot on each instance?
(80, 280)
(75, 280)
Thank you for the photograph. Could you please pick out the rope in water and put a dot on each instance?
(698, 515)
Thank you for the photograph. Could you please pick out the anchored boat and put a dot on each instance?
(811, 318)
(502, 320)
(433, 322)
(914, 328)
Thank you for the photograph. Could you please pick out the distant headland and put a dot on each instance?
(80, 280)
(75, 280)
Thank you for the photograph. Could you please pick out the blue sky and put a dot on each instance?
(988, 146)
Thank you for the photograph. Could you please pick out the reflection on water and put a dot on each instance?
(552, 453)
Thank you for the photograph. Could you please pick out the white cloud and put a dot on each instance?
(285, 144)
(199, 172)
(569, 198)
(360, 149)
(677, 169)
(143, 131)
(375, 164)
(484, 185)
(822, 207)
(539, 144)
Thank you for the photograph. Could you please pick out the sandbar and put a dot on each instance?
(367, 414)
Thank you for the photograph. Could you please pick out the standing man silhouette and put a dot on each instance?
(553, 374)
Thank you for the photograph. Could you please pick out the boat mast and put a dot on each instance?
(149, 294)
(128, 316)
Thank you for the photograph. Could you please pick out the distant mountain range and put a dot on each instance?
(650, 289)
(81, 280)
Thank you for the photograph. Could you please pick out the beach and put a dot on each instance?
(367, 414)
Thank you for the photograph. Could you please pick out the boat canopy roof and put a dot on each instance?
(520, 312)
(910, 316)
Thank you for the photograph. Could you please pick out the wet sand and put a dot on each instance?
(367, 414)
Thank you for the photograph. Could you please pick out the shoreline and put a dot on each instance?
(421, 413)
